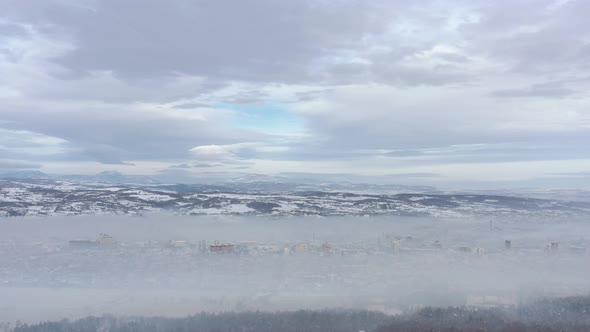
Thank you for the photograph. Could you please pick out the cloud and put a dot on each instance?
(29, 146)
(258, 40)
(404, 153)
(203, 165)
(214, 152)
(551, 39)
(378, 86)
(262, 41)
(414, 175)
(106, 154)
(382, 117)
(113, 134)
(489, 153)
(180, 166)
(229, 153)
(550, 90)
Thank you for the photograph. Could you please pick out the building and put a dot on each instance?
(221, 248)
(465, 249)
(507, 244)
(105, 241)
(552, 247)
(396, 245)
(203, 246)
(177, 244)
(299, 248)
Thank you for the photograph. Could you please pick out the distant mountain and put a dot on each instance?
(257, 178)
(240, 182)
(260, 183)
(25, 175)
(110, 177)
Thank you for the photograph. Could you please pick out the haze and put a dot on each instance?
(163, 265)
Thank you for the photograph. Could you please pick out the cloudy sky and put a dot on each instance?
(421, 91)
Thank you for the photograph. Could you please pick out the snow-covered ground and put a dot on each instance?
(42, 198)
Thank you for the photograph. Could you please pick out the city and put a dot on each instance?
(381, 270)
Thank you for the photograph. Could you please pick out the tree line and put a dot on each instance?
(547, 315)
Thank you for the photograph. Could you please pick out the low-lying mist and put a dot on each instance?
(70, 267)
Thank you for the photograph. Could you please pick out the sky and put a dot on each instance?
(438, 92)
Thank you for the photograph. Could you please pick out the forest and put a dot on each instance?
(547, 315)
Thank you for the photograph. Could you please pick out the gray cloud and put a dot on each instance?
(402, 82)
(549, 90)
(379, 117)
(404, 153)
(112, 136)
(505, 153)
(203, 165)
(439, 155)
(180, 166)
(247, 40)
(418, 75)
(190, 105)
(414, 175)
(13, 30)
(550, 38)
(187, 166)
(253, 41)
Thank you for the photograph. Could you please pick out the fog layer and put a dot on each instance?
(168, 265)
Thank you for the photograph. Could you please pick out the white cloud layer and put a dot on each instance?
(363, 87)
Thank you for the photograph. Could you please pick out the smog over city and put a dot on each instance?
(182, 265)
(304, 165)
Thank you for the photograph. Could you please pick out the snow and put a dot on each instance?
(148, 196)
(29, 198)
(238, 208)
(419, 198)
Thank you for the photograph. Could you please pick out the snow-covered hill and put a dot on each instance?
(40, 197)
